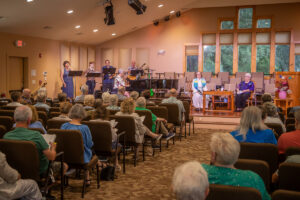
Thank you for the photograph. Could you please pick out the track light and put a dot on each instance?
(137, 6)
(167, 18)
(178, 14)
(109, 12)
(155, 23)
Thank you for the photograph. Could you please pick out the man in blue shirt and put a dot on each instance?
(108, 79)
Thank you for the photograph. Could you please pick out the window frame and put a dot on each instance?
(185, 55)
(253, 17)
(263, 17)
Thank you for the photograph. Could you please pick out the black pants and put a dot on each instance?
(107, 86)
(240, 99)
(91, 84)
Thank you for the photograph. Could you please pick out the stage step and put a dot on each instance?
(217, 120)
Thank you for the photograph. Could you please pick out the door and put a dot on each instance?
(15, 73)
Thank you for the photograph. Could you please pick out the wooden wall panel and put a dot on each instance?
(74, 57)
(83, 62)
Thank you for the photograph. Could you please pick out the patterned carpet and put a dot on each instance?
(150, 179)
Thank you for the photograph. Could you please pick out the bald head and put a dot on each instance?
(26, 92)
(173, 92)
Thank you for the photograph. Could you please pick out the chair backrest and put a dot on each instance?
(206, 75)
(292, 151)
(257, 75)
(230, 87)
(102, 136)
(281, 116)
(148, 118)
(169, 75)
(270, 88)
(258, 84)
(22, 156)
(186, 106)
(221, 192)
(285, 195)
(211, 86)
(275, 127)
(189, 76)
(289, 176)
(240, 75)
(127, 124)
(159, 111)
(54, 114)
(8, 107)
(224, 76)
(173, 112)
(7, 122)
(66, 141)
(3, 130)
(258, 166)
(54, 109)
(290, 127)
(55, 124)
(111, 112)
(9, 113)
(41, 109)
(261, 151)
(216, 81)
(43, 116)
(235, 80)
(290, 120)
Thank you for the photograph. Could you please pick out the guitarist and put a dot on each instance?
(108, 79)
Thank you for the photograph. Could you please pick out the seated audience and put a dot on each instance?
(290, 139)
(147, 95)
(158, 124)
(121, 93)
(173, 99)
(190, 182)
(16, 99)
(290, 159)
(62, 97)
(134, 95)
(127, 109)
(26, 96)
(272, 115)
(64, 111)
(23, 116)
(244, 92)
(268, 98)
(13, 187)
(77, 113)
(84, 90)
(105, 98)
(113, 103)
(225, 152)
(252, 129)
(89, 101)
(100, 110)
(41, 102)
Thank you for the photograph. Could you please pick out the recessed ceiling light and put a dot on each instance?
(28, 1)
(95, 30)
(78, 26)
(70, 11)
(172, 11)
(113, 34)
(160, 5)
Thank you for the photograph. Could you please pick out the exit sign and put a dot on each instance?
(19, 43)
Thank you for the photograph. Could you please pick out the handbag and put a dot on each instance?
(107, 173)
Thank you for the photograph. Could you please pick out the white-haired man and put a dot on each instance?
(173, 99)
(84, 90)
(190, 182)
(225, 152)
(244, 92)
(41, 101)
(26, 96)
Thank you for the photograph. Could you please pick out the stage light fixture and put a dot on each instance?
(178, 14)
(167, 18)
(109, 12)
(155, 23)
(137, 6)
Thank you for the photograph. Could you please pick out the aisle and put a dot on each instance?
(150, 179)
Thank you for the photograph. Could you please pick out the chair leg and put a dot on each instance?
(193, 127)
(84, 183)
(62, 180)
(143, 151)
(190, 129)
(185, 129)
(124, 158)
(135, 154)
(160, 145)
(98, 177)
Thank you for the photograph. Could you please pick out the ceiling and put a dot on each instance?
(20, 17)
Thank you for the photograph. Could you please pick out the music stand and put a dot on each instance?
(93, 74)
(136, 72)
(109, 70)
(75, 74)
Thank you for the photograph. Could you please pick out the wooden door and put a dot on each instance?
(15, 73)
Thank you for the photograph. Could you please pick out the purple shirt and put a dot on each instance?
(246, 86)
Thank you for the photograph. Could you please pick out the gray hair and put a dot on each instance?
(190, 181)
(226, 147)
(77, 112)
(134, 95)
(84, 89)
(22, 114)
(248, 74)
(41, 97)
(141, 102)
(106, 97)
(113, 100)
(271, 109)
(89, 100)
(251, 119)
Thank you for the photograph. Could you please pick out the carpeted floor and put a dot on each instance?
(150, 179)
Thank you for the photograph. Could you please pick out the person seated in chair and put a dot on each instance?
(13, 187)
(252, 129)
(16, 99)
(272, 115)
(190, 182)
(84, 90)
(244, 92)
(41, 101)
(198, 86)
(134, 95)
(64, 111)
(105, 98)
(173, 99)
(225, 152)
(121, 93)
(147, 95)
(113, 103)
(26, 96)
(158, 124)
(22, 117)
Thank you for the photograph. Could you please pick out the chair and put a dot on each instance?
(290, 115)
(289, 176)
(277, 128)
(257, 75)
(7, 122)
(54, 114)
(216, 81)
(111, 112)
(259, 84)
(235, 81)
(258, 166)
(54, 109)
(290, 127)
(282, 117)
(211, 86)
(189, 76)
(224, 76)
(221, 192)
(270, 88)
(43, 116)
(285, 195)
(169, 75)
(74, 157)
(240, 75)
(3, 130)
(230, 87)
(188, 118)
(260, 151)
(290, 120)
(292, 151)
(9, 113)
(8, 107)
(41, 109)
(207, 76)
(55, 124)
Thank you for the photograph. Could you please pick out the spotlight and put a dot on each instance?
(137, 6)
(178, 14)
(167, 18)
(155, 23)
(109, 11)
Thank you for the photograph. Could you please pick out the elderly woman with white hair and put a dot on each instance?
(190, 182)
(272, 115)
(252, 129)
(244, 92)
(84, 90)
(135, 95)
(113, 102)
(41, 101)
(105, 98)
(225, 152)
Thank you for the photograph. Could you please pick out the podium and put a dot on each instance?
(93, 74)
(75, 74)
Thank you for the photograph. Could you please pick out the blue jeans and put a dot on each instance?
(91, 84)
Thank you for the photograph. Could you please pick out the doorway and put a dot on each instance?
(17, 70)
